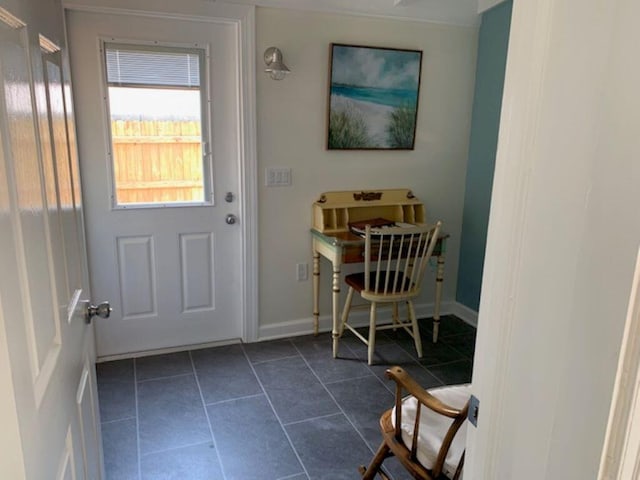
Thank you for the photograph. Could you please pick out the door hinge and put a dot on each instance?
(474, 409)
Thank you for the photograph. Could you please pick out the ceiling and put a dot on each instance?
(455, 12)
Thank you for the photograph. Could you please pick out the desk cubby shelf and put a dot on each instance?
(333, 212)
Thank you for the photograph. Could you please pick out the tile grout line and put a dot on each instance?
(465, 359)
(229, 400)
(261, 362)
(458, 351)
(296, 422)
(349, 379)
(445, 364)
(370, 369)
(340, 406)
(109, 422)
(206, 414)
(336, 402)
(164, 378)
(284, 430)
(164, 450)
(424, 367)
(135, 386)
(291, 476)
(417, 361)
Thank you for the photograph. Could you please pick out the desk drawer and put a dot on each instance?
(353, 254)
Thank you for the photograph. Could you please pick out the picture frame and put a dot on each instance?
(373, 97)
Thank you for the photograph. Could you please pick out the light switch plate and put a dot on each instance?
(278, 177)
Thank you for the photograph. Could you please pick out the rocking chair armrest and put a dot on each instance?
(403, 379)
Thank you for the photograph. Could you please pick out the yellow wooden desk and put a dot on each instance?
(331, 239)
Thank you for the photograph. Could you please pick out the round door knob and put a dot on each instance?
(231, 219)
(103, 310)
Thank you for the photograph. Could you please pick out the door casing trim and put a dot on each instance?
(243, 17)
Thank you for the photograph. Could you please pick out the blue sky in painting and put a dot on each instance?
(376, 68)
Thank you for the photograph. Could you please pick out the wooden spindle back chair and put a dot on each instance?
(396, 259)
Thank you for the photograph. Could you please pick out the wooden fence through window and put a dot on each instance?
(157, 161)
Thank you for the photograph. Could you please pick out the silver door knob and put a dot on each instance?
(231, 219)
(103, 310)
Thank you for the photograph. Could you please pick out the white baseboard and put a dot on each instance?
(304, 326)
(465, 314)
(162, 351)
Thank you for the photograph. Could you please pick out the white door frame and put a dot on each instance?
(517, 139)
(243, 17)
(621, 454)
(536, 67)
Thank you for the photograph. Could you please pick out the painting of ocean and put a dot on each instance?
(373, 98)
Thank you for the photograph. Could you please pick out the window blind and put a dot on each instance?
(134, 65)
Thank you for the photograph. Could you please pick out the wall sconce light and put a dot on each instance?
(275, 66)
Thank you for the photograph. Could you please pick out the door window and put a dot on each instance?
(157, 104)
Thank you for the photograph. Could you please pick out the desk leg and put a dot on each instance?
(336, 307)
(436, 308)
(316, 292)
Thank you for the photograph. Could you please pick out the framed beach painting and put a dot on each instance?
(373, 98)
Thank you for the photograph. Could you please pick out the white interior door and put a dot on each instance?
(47, 348)
(172, 273)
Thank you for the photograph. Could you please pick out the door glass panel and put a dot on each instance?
(156, 98)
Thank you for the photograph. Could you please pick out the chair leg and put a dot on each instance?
(376, 463)
(372, 332)
(396, 320)
(416, 329)
(346, 310)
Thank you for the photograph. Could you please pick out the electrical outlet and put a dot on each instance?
(302, 272)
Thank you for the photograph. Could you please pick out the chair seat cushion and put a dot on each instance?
(356, 280)
(433, 427)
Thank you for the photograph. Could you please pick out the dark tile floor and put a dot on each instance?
(273, 410)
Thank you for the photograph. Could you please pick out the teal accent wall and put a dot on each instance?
(492, 56)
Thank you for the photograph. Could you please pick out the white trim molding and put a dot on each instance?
(517, 141)
(243, 17)
(304, 326)
(621, 454)
(460, 13)
(249, 175)
(464, 313)
(164, 351)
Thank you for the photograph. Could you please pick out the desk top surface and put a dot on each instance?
(340, 239)
(337, 238)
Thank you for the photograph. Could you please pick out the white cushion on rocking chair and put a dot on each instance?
(433, 427)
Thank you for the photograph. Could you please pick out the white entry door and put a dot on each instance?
(164, 245)
(48, 396)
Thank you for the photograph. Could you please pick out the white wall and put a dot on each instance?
(563, 236)
(292, 133)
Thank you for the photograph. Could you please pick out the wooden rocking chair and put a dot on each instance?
(426, 431)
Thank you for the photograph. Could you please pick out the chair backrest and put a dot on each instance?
(396, 259)
(428, 421)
